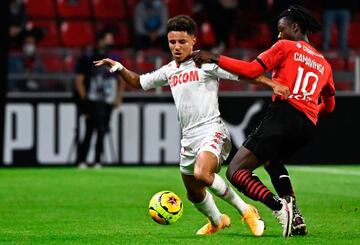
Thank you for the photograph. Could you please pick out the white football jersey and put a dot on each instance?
(195, 90)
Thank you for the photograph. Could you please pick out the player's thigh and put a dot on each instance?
(214, 149)
(205, 149)
(243, 159)
(206, 165)
(194, 188)
(187, 156)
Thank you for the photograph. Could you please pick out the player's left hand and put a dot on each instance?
(200, 57)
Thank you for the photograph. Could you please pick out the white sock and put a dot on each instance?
(222, 189)
(209, 209)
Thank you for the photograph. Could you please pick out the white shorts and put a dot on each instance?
(213, 137)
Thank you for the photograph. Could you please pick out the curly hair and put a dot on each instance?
(303, 17)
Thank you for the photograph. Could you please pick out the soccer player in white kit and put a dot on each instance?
(205, 142)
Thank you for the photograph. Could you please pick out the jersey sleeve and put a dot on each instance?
(329, 88)
(270, 58)
(218, 72)
(154, 79)
(247, 69)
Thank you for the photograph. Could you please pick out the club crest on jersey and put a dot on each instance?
(184, 77)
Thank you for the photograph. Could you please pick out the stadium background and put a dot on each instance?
(41, 205)
(26, 111)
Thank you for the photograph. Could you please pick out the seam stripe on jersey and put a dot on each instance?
(261, 63)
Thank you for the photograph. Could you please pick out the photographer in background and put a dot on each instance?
(97, 93)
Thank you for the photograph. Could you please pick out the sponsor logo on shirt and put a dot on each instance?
(184, 77)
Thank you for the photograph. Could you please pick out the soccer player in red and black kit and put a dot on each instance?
(288, 123)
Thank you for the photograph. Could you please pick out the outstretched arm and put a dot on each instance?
(278, 88)
(243, 68)
(248, 69)
(130, 77)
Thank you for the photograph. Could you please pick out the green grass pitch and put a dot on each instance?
(109, 206)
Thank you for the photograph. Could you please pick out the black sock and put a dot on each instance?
(280, 179)
(273, 202)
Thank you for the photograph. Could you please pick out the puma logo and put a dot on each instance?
(237, 132)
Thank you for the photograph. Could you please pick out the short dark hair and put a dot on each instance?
(181, 23)
(302, 16)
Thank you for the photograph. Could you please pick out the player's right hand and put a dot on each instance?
(201, 57)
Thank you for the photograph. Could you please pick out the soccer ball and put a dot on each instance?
(165, 207)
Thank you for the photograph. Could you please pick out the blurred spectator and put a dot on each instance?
(338, 13)
(97, 93)
(222, 15)
(181, 7)
(150, 24)
(17, 20)
(27, 61)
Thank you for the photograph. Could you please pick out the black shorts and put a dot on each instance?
(282, 132)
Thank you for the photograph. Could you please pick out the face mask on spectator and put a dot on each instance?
(29, 49)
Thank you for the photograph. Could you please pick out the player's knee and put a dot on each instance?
(203, 177)
(232, 168)
(229, 173)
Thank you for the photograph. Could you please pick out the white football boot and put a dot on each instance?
(285, 215)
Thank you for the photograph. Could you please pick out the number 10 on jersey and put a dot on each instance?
(305, 85)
